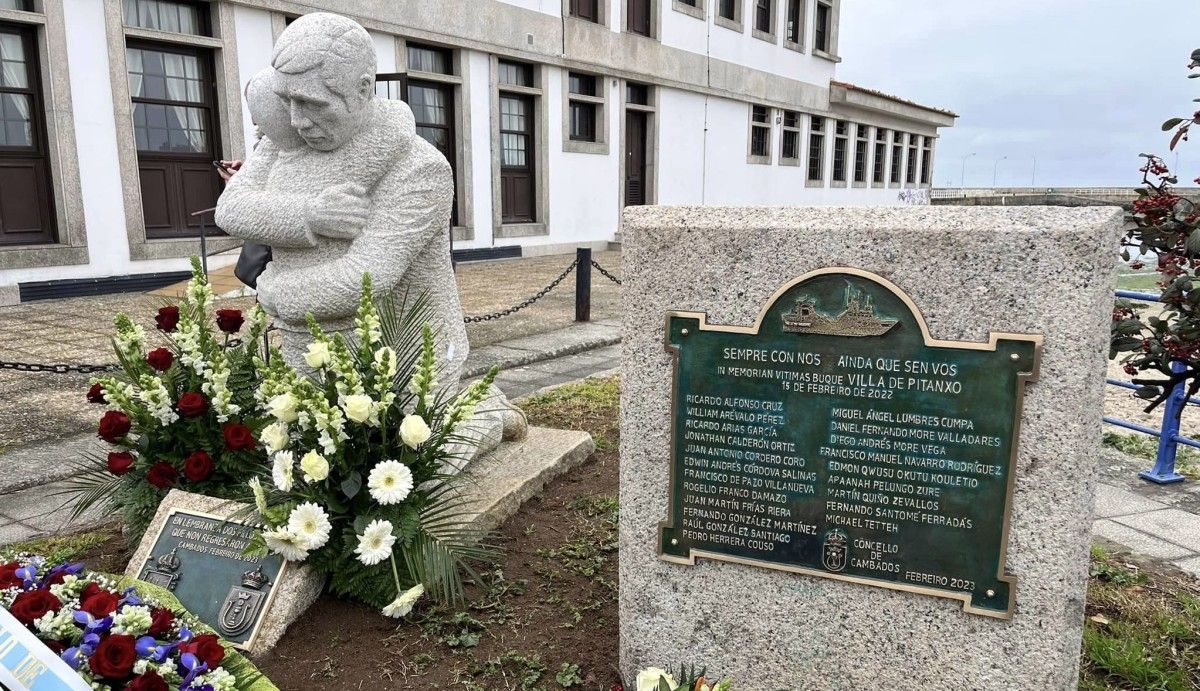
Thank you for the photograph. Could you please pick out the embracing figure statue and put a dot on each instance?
(340, 185)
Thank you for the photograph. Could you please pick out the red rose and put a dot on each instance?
(149, 681)
(8, 575)
(238, 437)
(96, 394)
(162, 475)
(56, 579)
(161, 621)
(101, 604)
(160, 359)
(167, 318)
(207, 648)
(114, 657)
(198, 466)
(89, 590)
(120, 462)
(229, 320)
(32, 605)
(113, 425)
(192, 404)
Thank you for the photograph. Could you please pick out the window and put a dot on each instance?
(840, 143)
(23, 5)
(637, 94)
(166, 15)
(860, 153)
(790, 146)
(897, 155)
(880, 156)
(429, 59)
(172, 93)
(794, 29)
(588, 10)
(926, 160)
(516, 74)
(760, 133)
(583, 112)
(763, 16)
(823, 26)
(910, 173)
(816, 149)
(638, 18)
(26, 210)
(729, 9)
(516, 158)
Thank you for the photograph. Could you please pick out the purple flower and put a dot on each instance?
(73, 657)
(93, 625)
(194, 668)
(148, 647)
(131, 597)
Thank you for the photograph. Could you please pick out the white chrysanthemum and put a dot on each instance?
(274, 437)
(414, 431)
(286, 544)
(132, 621)
(375, 544)
(315, 467)
(403, 604)
(260, 497)
(281, 470)
(390, 482)
(311, 523)
(317, 355)
(284, 407)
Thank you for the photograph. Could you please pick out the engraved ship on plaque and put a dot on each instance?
(240, 610)
(857, 319)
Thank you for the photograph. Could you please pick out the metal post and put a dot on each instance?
(1168, 440)
(203, 244)
(583, 284)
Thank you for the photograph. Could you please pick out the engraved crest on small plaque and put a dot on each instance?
(240, 609)
(858, 317)
(834, 550)
(165, 573)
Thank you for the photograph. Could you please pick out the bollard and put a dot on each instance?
(583, 284)
(1164, 472)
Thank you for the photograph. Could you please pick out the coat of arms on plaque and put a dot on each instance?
(833, 551)
(164, 573)
(240, 610)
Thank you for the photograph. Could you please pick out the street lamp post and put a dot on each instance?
(1033, 181)
(962, 180)
(996, 170)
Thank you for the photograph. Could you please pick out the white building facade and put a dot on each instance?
(555, 114)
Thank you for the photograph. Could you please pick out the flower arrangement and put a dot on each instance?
(181, 415)
(360, 449)
(657, 679)
(114, 637)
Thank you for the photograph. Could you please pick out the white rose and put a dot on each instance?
(357, 407)
(274, 436)
(283, 407)
(414, 431)
(317, 355)
(315, 467)
(647, 679)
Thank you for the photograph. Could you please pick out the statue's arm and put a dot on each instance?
(409, 210)
(248, 210)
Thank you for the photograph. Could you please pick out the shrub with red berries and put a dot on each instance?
(1165, 229)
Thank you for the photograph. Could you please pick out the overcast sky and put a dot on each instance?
(1083, 86)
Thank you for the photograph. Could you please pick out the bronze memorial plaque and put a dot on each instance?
(837, 438)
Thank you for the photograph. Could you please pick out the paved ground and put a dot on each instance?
(77, 330)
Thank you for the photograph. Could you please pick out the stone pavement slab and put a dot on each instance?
(1140, 542)
(1174, 525)
(1118, 501)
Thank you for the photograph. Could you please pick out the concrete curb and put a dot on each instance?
(527, 350)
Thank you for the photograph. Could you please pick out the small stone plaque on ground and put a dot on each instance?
(837, 438)
(194, 548)
(199, 558)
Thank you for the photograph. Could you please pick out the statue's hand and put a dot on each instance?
(339, 211)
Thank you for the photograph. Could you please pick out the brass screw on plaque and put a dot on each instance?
(991, 593)
(674, 541)
(684, 332)
(1015, 356)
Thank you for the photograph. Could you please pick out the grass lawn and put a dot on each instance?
(1144, 282)
(545, 616)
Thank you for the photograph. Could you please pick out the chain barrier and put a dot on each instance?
(57, 369)
(605, 272)
(527, 302)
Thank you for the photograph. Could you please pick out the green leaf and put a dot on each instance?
(1148, 392)
(352, 484)
(1171, 124)
(663, 685)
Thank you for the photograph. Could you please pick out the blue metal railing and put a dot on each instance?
(1168, 435)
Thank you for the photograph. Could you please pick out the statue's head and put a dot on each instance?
(325, 72)
(269, 112)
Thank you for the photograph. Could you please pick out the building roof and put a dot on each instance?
(897, 99)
